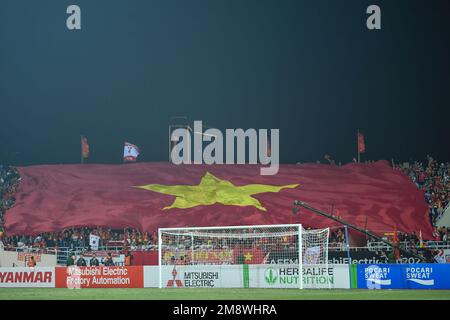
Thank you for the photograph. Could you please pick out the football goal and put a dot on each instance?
(260, 256)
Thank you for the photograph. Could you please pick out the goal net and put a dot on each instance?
(270, 256)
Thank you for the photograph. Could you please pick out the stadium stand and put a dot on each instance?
(9, 181)
(432, 177)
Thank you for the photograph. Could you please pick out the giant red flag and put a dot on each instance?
(147, 196)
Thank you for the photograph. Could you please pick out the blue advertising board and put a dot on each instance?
(403, 276)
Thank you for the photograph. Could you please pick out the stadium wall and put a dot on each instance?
(19, 259)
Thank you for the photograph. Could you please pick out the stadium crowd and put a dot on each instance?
(432, 177)
(76, 238)
(9, 181)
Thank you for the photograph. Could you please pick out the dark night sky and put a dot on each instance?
(309, 68)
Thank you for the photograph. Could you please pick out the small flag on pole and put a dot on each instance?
(130, 152)
(420, 239)
(84, 148)
(94, 241)
(361, 143)
(396, 242)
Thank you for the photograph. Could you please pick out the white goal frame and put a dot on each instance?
(297, 229)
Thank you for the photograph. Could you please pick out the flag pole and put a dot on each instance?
(357, 146)
(81, 149)
(170, 143)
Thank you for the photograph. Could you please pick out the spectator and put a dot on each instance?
(31, 262)
(109, 260)
(94, 261)
(128, 259)
(434, 179)
(81, 262)
(71, 260)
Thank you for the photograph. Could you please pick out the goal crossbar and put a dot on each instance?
(233, 227)
(234, 235)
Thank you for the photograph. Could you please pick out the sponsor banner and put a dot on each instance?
(201, 256)
(364, 257)
(25, 256)
(403, 276)
(206, 256)
(380, 276)
(197, 276)
(287, 276)
(253, 276)
(341, 257)
(21, 277)
(99, 277)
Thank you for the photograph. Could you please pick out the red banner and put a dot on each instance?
(205, 256)
(248, 256)
(145, 258)
(99, 277)
(361, 143)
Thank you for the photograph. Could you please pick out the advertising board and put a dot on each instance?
(99, 277)
(201, 276)
(23, 277)
(403, 276)
(253, 276)
(287, 276)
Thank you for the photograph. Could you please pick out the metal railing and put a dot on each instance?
(63, 252)
(376, 246)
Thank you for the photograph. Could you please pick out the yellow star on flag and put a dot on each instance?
(213, 190)
(248, 256)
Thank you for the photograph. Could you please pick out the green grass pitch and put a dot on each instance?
(218, 294)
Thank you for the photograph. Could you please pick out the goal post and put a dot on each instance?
(260, 256)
